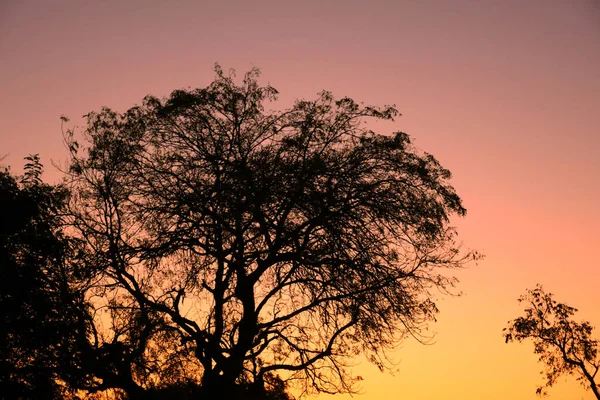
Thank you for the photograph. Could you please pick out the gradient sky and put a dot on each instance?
(504, 93)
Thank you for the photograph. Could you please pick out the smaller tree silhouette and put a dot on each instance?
(39, 307)
(564, 346)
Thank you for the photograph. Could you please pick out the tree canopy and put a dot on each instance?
(220, 249)
(565, 346)
(267, 242)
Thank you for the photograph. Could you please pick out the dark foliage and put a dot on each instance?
(39, 311)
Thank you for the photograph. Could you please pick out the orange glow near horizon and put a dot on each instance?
(504, 93)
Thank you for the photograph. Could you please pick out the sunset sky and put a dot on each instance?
(505, 93)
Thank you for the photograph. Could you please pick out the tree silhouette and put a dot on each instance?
(268, 243)
(564, 346)
(40, 311)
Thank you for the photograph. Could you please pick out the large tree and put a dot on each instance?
(565, 347)
(270, 243)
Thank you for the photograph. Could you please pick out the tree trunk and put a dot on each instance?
(216, 387)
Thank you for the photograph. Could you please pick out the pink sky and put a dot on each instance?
(506, 93)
